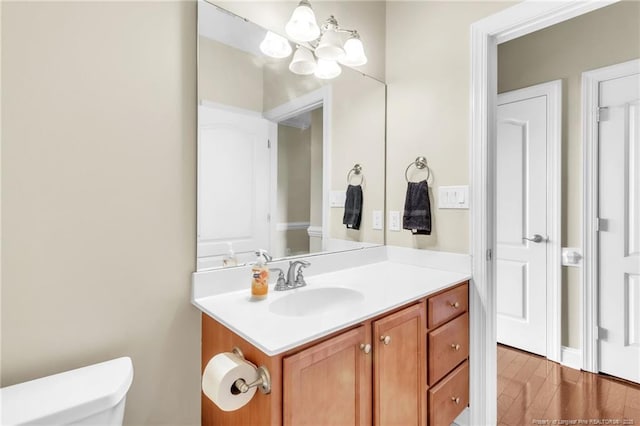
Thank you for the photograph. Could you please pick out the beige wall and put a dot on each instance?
(98, 197)
(240, 88)
(358, 136)
(368, 17)
(428, 73)
(294, 180)
(564, 51)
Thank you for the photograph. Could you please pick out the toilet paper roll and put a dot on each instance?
(219, 376)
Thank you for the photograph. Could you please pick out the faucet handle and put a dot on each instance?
(300, 282)
(281, 283)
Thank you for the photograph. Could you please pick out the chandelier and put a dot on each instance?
(319, 50)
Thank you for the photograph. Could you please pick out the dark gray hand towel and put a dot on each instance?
(353, 207)
(417, 209)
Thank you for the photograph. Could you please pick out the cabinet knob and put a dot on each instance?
(455, 346)
(366, 348)
(385, 339)
(455, 399)
(455, 305)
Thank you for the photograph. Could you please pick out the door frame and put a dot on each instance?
(518, 20)
(553, 91)
(321, 97)
(590, 199)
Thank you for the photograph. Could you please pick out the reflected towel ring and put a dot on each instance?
(355, 171)
(420, 163)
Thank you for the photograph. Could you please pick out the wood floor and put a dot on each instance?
(532, 390)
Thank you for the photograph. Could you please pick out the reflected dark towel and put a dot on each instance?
(353, 207)
(417, 209)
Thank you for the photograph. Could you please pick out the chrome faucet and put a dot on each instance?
(299, 279)
(294, 279)
(265, 254)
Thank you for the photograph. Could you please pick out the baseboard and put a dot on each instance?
(571, 357)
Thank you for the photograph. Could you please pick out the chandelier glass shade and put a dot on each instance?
(275, 46)
(302, 25)
(319, 49)
(303, 62)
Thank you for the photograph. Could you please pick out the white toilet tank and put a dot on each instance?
(93, 395)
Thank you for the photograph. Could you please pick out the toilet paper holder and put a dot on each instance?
(263, 382)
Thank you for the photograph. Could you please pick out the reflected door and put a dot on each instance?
(521, 212)
(619, 236)
(233, 183)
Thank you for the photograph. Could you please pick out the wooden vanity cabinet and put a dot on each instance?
(391, 370)
(448, 355)
(399, 368)
(329, 383)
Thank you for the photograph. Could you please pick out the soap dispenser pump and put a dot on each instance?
(260, 276)
(230, 258)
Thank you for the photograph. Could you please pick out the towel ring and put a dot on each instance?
(355, 171)
(420, 163)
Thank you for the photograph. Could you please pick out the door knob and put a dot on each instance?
(385, 339)
(365, 348)
(537, 238)
(455, 347)
(455, 399)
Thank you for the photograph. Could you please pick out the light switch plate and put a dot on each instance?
(377, 220)
(394, 220)
(337, 198)
(453, 197)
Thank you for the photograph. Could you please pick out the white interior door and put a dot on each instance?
(521, 213)
(233, 183)
(619, 236)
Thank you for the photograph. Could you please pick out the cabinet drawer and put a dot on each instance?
(443, 307)
(448, 347)
(449, 397)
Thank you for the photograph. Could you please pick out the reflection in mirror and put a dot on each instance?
(275, 149)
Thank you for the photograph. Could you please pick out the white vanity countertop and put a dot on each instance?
(385, 285)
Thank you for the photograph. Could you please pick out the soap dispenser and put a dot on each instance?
(230, 258)
(260, 276)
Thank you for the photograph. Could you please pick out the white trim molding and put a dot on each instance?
(314, 231)
(590, 103)
(516, 21)
(291, 226)
(571, 357)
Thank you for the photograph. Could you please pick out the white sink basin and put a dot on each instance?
(315, 301)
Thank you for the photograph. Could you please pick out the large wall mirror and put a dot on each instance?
(277, 150)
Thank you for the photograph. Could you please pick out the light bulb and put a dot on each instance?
(303, 62)
(354, 50)
(275, 46)
(330, 46)
(302, 25)
(327, 69)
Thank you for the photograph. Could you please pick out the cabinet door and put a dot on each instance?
(400, 381)
(329, 383)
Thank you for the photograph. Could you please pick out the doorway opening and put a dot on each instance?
(524, 18)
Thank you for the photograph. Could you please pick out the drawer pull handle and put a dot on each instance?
(455, 399)
(385, 339)
(455, 346)
(455, 305)
(365, 348)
